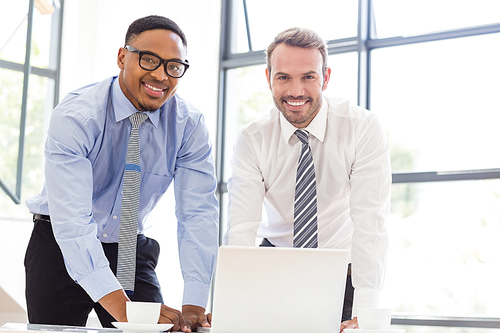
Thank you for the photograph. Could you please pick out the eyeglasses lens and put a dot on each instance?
(151, 62)
(175, 69)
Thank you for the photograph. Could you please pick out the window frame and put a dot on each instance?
(27, 70)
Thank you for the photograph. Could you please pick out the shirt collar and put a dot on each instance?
(316, 127)
(124, 108)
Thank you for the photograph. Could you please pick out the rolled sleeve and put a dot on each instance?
(107, 283)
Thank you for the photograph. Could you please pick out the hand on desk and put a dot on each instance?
(191, 317)
(172, 316)
(353, 323)
(195, 317)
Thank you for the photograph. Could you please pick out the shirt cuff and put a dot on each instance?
(99, 283)
(196, 293)
(365, 298)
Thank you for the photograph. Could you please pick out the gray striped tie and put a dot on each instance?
(305, 228)
(127, 245)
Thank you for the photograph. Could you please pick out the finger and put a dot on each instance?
(348, 324)
(183, 324)
(188, 326)
(170, 316)
(202, 318)
(209, 318)
(171, 319)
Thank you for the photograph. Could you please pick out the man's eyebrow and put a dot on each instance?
(307, 73)
(155, 54)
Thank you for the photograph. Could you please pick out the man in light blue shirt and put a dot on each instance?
(71, 258)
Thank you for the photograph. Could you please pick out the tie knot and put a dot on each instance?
(303, 136)
(137, 119)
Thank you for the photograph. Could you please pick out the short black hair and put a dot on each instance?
(153, 22)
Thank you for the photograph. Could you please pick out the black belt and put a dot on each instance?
(40, 217)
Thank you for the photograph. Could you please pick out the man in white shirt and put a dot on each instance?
(350, 152)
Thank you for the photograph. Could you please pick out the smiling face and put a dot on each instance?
(149, 90)
(297, 82)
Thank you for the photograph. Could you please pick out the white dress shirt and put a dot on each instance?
(351, 158)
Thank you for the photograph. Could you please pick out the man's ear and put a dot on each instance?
(328, 72)
(268, 79)
(121, 58)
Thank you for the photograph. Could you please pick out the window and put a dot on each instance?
(30, 37)
(29, 64)
(440, 96)
(409, 18)
(429, 70)
(331, 19)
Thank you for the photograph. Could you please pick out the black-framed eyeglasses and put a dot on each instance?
(149, 61)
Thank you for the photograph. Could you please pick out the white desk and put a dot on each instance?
(35, 328)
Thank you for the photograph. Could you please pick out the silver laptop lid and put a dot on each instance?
(274, 290)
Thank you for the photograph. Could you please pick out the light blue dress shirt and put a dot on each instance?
(85, 157)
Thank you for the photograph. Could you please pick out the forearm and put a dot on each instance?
(115, 304)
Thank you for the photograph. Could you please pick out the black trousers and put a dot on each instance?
(349, 290)
(54, 298)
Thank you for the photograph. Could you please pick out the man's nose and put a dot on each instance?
(160, 73)
(296, 88)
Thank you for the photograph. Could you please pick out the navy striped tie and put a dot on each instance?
(305, 228)
(127, 244)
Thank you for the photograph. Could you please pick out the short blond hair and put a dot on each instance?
(299, 37)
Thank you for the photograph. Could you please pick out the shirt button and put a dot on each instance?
(115, 217)
(105, 235)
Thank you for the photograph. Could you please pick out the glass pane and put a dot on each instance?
(443, 249)
(330, 19)
(239, 41)
(404, 18)
(11, 92)
(438, 102)
(248, 98)
(41, 39)
(40, 105)
(344, 77)
(13, 27)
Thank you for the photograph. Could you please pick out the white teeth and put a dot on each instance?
(153, 88)
(296, 103)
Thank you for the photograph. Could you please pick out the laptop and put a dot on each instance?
(278, 290)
